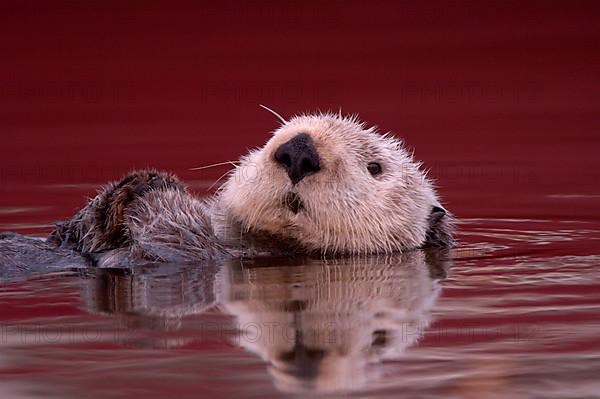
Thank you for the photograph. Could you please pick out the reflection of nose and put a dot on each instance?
(302, 361)
(299, 157)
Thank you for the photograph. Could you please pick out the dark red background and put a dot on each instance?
(500, 99)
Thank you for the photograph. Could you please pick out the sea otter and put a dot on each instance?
(324, 184)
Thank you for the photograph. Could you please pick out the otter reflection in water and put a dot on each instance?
(319, 325)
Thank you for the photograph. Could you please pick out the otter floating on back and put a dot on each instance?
(323, 184)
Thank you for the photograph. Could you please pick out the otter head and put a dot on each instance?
(331, 185)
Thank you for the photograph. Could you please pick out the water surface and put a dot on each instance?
(512, 311)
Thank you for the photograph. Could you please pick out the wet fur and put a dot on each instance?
(150, 214)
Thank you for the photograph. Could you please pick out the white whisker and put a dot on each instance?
(281, 119)
(219, 179)
(234, 163)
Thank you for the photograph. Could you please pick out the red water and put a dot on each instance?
(499, 99)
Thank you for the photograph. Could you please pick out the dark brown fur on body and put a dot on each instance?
(101, 224)
(126, 215)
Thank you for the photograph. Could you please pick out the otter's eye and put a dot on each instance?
(374, 168)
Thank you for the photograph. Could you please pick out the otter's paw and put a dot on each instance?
(102, 224)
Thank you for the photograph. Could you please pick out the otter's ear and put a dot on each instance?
(437, 213)
(440, 227)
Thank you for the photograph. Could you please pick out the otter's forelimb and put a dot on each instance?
(146, 215)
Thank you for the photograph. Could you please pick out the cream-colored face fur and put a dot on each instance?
(344, 209)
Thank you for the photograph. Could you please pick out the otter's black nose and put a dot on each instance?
(299, 157)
